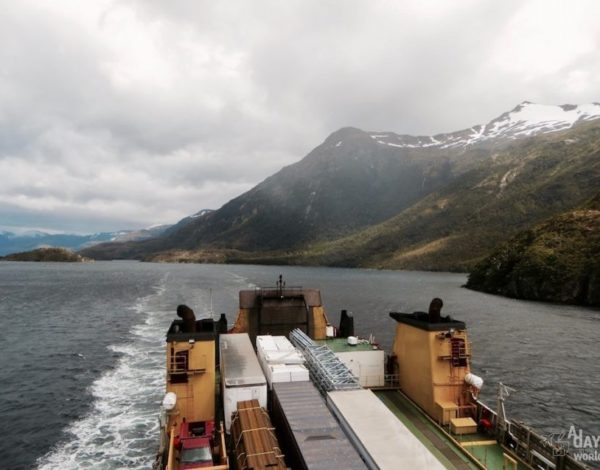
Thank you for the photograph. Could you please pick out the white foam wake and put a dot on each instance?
(121, 430)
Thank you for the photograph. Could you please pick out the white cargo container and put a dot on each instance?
(280, 360)
(241, 375)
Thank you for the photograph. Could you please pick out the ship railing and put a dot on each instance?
(537, 450)
(180, 364)
(463, 351)
(530, 446)
(291, 291)
(391, 380)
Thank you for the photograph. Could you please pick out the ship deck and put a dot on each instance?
(451, 452)
(338, 345)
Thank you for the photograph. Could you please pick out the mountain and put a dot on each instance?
(13, 243)
(455, 227)
(379, 199)
(348, 182)
(556, 261)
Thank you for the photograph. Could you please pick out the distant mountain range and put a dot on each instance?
(15, 243)
(379, 199)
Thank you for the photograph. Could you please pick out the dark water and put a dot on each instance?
(81, 370)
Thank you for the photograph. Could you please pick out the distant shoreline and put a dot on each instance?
(50, 255)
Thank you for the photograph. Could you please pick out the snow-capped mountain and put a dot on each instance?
(369, 199)
(525, 120)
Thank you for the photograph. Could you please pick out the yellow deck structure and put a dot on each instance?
(191, 369)
(432, 360)
(191, 375)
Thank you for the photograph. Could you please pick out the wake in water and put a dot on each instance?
(121, 430)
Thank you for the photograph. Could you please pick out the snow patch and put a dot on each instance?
(527, 119)
(200, 213)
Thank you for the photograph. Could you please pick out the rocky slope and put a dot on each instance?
(557, 260)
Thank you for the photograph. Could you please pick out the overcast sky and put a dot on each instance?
(128, 113)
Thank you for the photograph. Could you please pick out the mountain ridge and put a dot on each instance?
(523, 120)
(354, 201)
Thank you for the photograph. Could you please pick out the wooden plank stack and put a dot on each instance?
(254, 440)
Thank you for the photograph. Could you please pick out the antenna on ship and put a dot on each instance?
(212, 312)
(504, 392)
(280, 286)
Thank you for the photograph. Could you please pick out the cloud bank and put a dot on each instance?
(127, 113)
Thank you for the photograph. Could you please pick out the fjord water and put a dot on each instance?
(82, 364)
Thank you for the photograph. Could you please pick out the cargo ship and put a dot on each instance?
(283, 388)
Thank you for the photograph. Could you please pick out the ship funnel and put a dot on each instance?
(222, 324)
(435, 310)
(188, 317)
(346, 324)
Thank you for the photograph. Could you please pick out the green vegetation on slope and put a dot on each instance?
(558, 261)
(454, 228)
(369, 205)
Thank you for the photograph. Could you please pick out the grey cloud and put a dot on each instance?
(126, 113)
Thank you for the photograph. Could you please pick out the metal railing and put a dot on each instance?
(178, 364)
(327, 371)
(391, 380)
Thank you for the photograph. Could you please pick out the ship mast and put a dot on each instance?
(503, 393)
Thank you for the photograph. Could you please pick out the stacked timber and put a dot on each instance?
(254, 441)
